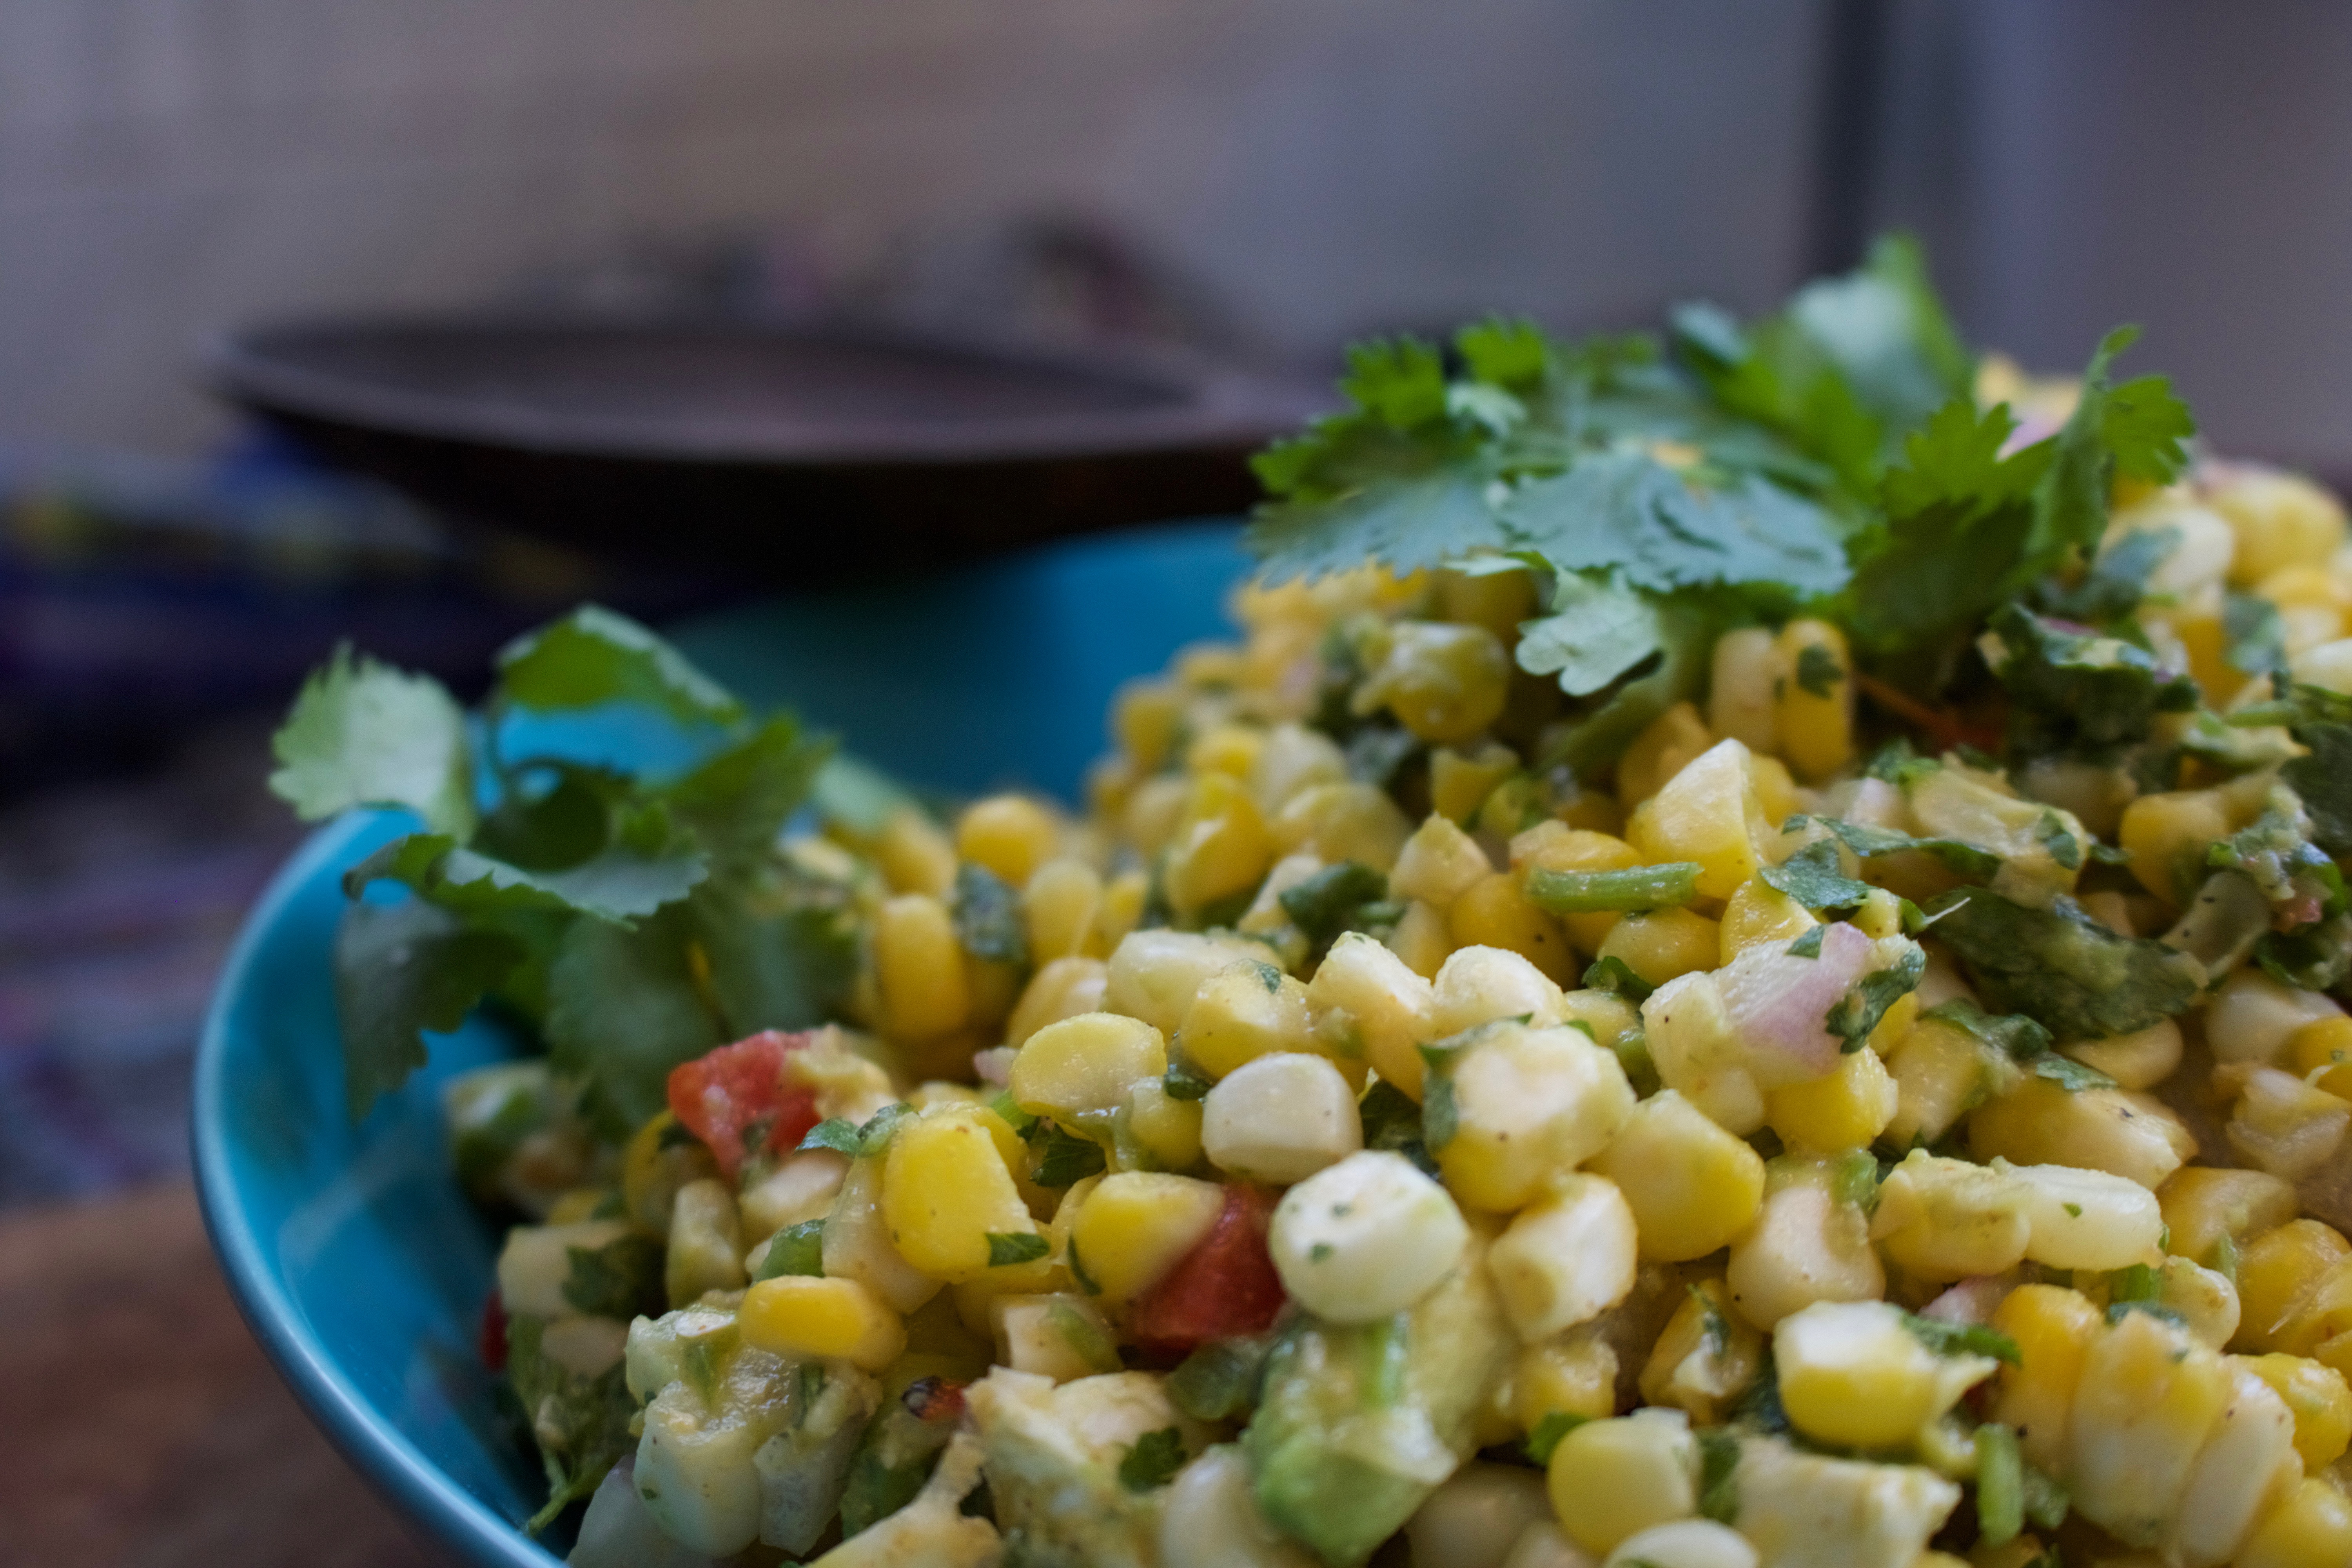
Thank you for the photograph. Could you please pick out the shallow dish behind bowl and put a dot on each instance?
(357, 1262)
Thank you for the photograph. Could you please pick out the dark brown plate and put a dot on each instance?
(793, 452)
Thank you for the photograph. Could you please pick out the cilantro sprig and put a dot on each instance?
(635, 921)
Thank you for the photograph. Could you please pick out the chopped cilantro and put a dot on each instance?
(987, 921)
(874, 1136)
(1807, 943)
(1011, 1251)
(835, 1132)
(580, 1424)
(1153, 1460)
(1818, 671)
(1553, 1425)
(795, 1249)
(1328, 902)
(1858, 1012)
(619, 1279)
(1963, 1339)
(2016, 1036)
(1719, 1483)
(1961, 859)
(1613, 974)
(1182, 1081)
(2090, 697)
(1393, 1122)
(1813, 877)
(2063, 969)
(1066, 1159)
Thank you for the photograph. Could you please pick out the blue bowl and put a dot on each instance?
(360, 1266)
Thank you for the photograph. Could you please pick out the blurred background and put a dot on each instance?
(1249, 184)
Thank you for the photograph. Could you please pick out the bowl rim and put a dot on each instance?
(453, 1519)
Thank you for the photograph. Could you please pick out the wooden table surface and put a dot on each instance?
(141, 1424)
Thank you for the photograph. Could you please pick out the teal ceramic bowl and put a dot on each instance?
(359, 1265)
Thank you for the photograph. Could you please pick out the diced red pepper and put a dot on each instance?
(1223, 1289)
(736, 1101)
(934, 1400)
(494, 1332)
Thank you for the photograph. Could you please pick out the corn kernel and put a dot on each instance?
(1708, 813)
(2322, 1053)
(2247, 1465)
(1662, 945)
(1444, 682)
(1121, 911)
(1775, 789)
(1459, 783)
(1939, 1073)
(1946, 1219)
(1366, 1238)
(1852, 1373)
(2286, 1126)
(2281, 520)
(2141, 1059)
(654, 1166)
(706, 1243)
(1155, 975)
(1663, 750)
(2148, 1397)
(1692, 1186)
(1816, 699)
(2319, 1400)
(1009, 835)
(1293, 758)
(1497, 601)
(1421, 939)
(1611, 1478)
(802, 1317)
(1136, 1226)
(947, 1187)
(1556, 846)
(2204, 1206)
(2052, 1328)
(1846, 1109)
(1342, 822)
(2277, 1272)
(1248, 1010)
(1759, 912)
(2041, 1122)
(1385, 1006)
(1480, 984)
(1219, 848)
(1740, 705)
(1085, 1064)
(1061, 1336)
(1576, 1375)
(1060, 905)
(1804, 1247)
(2312, 1528)
(2089, 1220)
(1705, 1357)
(2255, 1019)
(918, 968)
(1063, 988)
(1438, 864)
(1529, 1103)
(1493, 912)
(915, 854)
(1152, 812)
(1280, 1119)
(1225, 749)
(2167, 837)
(1168, 1128)
(1146, 717)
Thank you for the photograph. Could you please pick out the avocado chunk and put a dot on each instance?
(1358, 1425)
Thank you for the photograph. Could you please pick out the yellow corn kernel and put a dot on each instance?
(2207, 642)
(1588, 810)
(1168, 1128)
(1225, 749)
(1340, 821)
(918, 968)
(2053, 1327)
(1292, 758)
(1110, 785)
(2148, 1397)
(1611, 1478)
(1438, 864)
(1497, 601)
(802, 1317)
(1421, 939)
(915, 854)
(1759, 912)
(1776, 790)
(1009, 835)
(1220, 848)
(2204, 1206)
(2286, 1126)
(2041, 1122)
(947, 1187)
(1939, 1073)
(1668, 744)
(1084, 1064)
(1136, 1226)
(1121, 911)
(2317, 1398)
(1816, 699)
(1064, 988)
(1061, 906)
(1947, 1219)
(1692, 1186)
(2277, 1272)
(2141, 1059)
(1155, 975)
(1660, 944)
(2312, 1528)
(1529, 1104)
(2281, 520)
(2322, 1325)
(1556, 846)
(1846, 1109)
(2322, 1052)
(1708, 813)
(992, 989)
(1493, 912)
(1249, 1010)
(1739, 702)
(1146, 717)
(1704, 1358)
(1368, 998)
(1444, 682)
(1459, 783)
(1850, 1373)
(2167, 837)
(1152, 812)
(1209, 666)
(1807, 1244)
(1576, 1375)
(578, 1203)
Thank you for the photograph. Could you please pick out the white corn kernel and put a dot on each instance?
(1279, 1119)
(1366, 1238)
(1479, 984)
(1565, 1259)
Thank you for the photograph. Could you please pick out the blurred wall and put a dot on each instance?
(168, 167)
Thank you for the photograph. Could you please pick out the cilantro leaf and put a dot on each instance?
(1182, 1081)
(771, 963)
(1153, 1460)
(2063, 969)
(1962, 1339)
(797, 1249)
(595, 656)
(1858, 1012)
(580, 1424)
(619, 884)
(625, 1007)
(1325, 904)
(2087, 698)
(1818, 671)
(987, 921)
(2013, 1034)
(1615, 975)
(1393, 1122)
(2324, 781)
(1814, 877)
(402, 969)
(1598, 629)
(837, 1133)
(855, 794)
(738, 800)
(1686, 644)
(2117, 579)
(1718, 1484)
(1887, 330)
(619, 1279)
(1628, 512)
(1011, 1251)
(363, 733)
(2254, 634)
(1066, 1159)
(1554, 1426)
(1956, 855)
(1807, 943)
